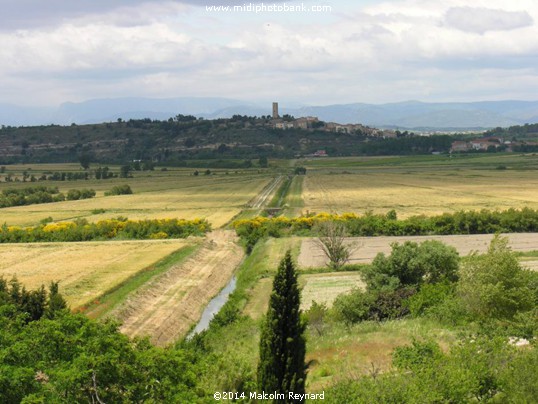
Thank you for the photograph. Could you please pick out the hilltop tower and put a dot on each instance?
(275, 110)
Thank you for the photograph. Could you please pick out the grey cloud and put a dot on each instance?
(481, 20)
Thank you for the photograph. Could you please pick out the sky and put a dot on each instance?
(321, 53)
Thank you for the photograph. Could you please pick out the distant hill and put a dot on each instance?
(404, 115)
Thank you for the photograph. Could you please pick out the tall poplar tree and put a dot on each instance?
(281, 367)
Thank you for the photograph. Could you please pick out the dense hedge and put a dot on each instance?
(462, 222)
(40, 194)
(121, 228)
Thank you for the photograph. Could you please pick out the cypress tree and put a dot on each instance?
(281, 367)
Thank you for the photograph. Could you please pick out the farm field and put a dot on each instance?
(366, 248)
(421, 185)
(166, 307)
(321, 288)
(157, 195)
(83, 270)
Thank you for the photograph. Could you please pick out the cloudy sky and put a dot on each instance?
(354, 51)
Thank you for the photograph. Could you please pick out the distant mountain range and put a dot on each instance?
(403, 115)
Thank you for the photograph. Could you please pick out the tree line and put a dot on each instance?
(40, 194)
(119, 228)
(370, 224)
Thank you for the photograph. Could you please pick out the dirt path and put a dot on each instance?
(167, 307)
(368, 247)
(263, 198)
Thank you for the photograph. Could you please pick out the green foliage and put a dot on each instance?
(493, 285)
(300, 171)
(413, 264)
(31, 305)
(71, 359)
(282, 343)
(29, 196)
(76, 194)
(429, 297)
(85, 160)
(462, 222)
(353, 307)
(263, 162)
(316, 316)
(416, 355)
(476, 370)
(119, 228)
(375, 305)
(125, 171)
(120, 190)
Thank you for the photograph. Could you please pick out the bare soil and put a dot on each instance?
(367, 248)
(166, 308)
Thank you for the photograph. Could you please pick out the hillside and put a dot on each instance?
(186, 138)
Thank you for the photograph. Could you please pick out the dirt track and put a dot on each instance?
(167, 307)
(263, 198)
(368, 247)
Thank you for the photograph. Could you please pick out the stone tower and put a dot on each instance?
(275, 110)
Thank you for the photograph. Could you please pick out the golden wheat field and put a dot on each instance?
(419, 192)
(84, 270)
(177, 194)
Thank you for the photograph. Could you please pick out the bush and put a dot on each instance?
(493, 285)
(430, 296)
(413, 264)
(119, 228)
(119, 190)
(353, 307)
(75, 194)
(316, 316)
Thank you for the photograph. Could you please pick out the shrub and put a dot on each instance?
(413, 264)
(429, 296)
(493, 285)
(119, 190)
(75, 194)
(316, 316)
(353, 307)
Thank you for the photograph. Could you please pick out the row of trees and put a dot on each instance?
(119, 228)
(40, 194)
(369, 224)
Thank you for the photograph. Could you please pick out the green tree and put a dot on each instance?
(262, 162)
(494, 285)
(84, 160)
(281, 367)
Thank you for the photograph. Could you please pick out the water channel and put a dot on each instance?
(213, 307)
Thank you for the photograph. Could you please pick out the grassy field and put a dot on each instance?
(344, 353)
(321, 288)
(159, 194)
(84, 270)
(421, 185)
